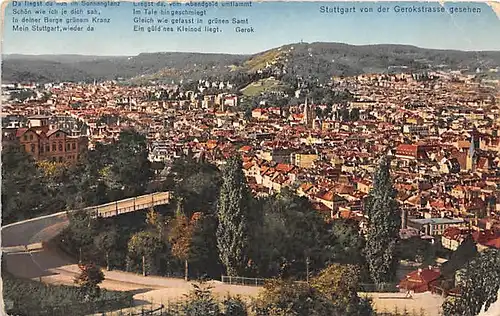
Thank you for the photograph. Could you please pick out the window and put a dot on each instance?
(74, 146)
(60, 147)
(54, 147)
(41, 149)
(68, 147)
(47, 148)
(60, 159)
(57, 134)
(25, 137)
(32, 148)
(31, 136)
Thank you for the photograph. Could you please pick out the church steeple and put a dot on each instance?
(308, 114)
(471, 155)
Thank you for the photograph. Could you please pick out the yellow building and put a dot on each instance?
(304, 160)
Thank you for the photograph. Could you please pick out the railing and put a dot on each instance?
(235, 280)
(363, 287)
(114, 208)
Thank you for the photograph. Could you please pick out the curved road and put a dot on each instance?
(25, 257)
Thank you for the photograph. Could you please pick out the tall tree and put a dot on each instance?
(384, 222)
(479, 284)
(105, 242)
(234, 212)
(130, 170)
(180, 236)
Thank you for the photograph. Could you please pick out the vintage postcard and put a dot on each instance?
(250, 158)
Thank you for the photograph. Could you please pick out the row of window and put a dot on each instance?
(61, 159)
(46, 148)
(31, 136)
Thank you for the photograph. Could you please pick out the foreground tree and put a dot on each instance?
(200, 302)
(384, 223)
(333, 292)
(340, 283)
(285, 298)
(234, 213)
(89, 279)
(478, 283)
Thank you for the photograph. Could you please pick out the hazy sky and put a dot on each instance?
(275, 24)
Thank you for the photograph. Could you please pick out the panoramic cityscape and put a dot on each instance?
(308, 178)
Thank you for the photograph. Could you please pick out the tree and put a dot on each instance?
(204, 257)
(200, 302)
(479, 285)
(106, 242)
(383, 226)
(345, 244)
(130, 170)
(233, 213)
(340, 284)
(180, 236)
(144, 245)
(156, 222)
(89, 279)
(286, 298)
(460, 257)
(80, 233)
(416, 249)
(234, 306)
(354, 115)
(291, 239)
(25, 192)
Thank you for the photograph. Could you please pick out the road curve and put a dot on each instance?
(25, 255)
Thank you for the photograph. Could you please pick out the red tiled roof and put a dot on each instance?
(20, 131)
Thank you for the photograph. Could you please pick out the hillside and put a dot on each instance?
(316, 60)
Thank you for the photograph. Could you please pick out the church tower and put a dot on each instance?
(308, 115)
(471, 155)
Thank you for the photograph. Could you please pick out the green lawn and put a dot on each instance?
(263, 85)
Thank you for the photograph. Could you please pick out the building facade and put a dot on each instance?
(44, 143)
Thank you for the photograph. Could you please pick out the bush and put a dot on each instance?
(34, 298)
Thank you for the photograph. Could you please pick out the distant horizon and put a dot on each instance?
(250, 54)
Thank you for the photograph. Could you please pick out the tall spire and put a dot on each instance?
(472, 147)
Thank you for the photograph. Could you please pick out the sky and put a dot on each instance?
(274, 24)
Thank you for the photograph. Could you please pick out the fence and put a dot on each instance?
(235, 280)
(76, 309)
(363, 287)
(130, 204)
(168, 309)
